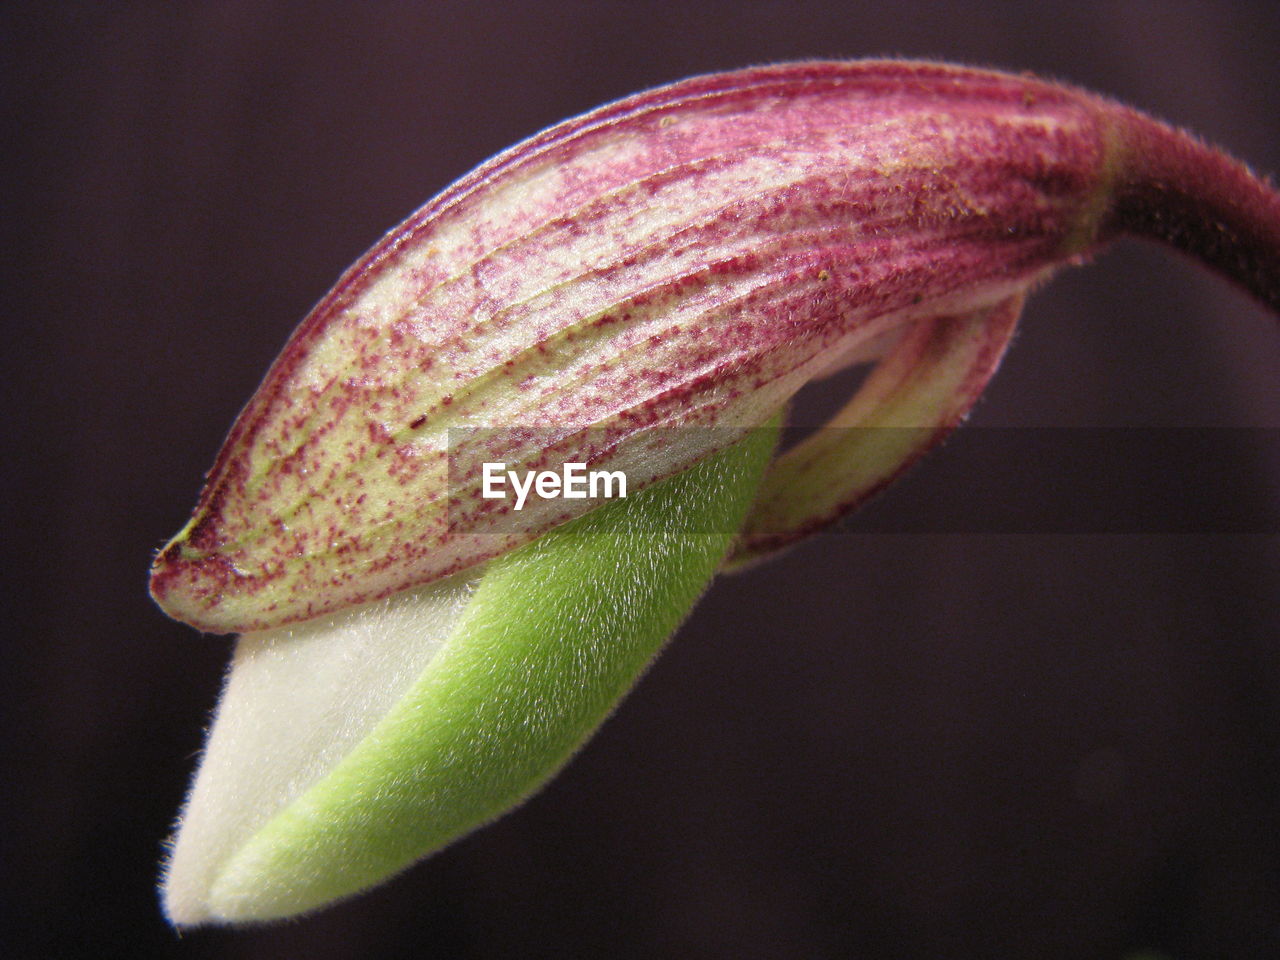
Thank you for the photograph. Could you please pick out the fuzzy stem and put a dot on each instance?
(1172, 187)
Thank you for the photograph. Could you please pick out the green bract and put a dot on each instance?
(534, 659)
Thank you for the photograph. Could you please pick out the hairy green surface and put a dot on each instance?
(555, 635)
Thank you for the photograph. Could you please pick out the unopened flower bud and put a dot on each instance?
(630, 293)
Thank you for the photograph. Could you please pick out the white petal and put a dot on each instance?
(296, 700)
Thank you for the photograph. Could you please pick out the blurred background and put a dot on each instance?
(892, 742)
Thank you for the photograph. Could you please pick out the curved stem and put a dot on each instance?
(1172, 187)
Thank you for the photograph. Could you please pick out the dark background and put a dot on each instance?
(881, 745)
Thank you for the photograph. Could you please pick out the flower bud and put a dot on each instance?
(635, 291)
